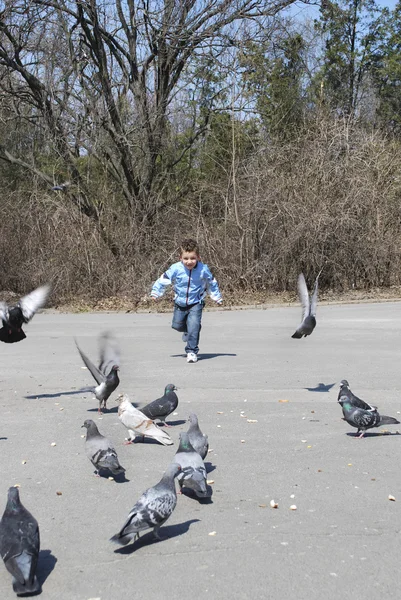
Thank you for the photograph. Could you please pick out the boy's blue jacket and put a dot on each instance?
(190, 287)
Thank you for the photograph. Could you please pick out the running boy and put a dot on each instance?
(191, 281)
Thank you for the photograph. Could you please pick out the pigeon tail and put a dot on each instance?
(388, 420)
(27, 588)
(297, 335)
(9, 336)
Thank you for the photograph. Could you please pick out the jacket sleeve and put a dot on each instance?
(160, 285)
(212, 286)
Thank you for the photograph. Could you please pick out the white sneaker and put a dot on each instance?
(185, 337)
(191, 357)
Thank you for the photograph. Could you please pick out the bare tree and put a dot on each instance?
(101, 76)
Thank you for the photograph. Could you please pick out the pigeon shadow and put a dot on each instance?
(146, 440)
(204, 356)
(321, 387)
(166, 533)
(105, 411)
(120, 478)
(371, 434)
(58, 394)
(209, 467)
(3, 438)
(46, 563)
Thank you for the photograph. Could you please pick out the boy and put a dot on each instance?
(191, 281)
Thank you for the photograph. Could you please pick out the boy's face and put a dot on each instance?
(189, 259)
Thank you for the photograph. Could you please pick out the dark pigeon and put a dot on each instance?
(193, 473)
(199, 441)
(308, 308)
(16, 315)
(162, 407)
(363, 419)
(100, 450)
(153, 508)
(107, 374)
(356, 402)
(19, 545)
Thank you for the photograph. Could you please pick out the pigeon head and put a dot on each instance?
(344, 383)
(193, 419)
(173, 470)
(115, 368)
(88, 423)
(170, 387)
(122, 398)
(13, 497)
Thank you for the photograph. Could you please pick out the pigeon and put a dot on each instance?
(363, 419)
(152, 509)
(356, 402)
(107, 374)
(193, 474)
(19, 545)
(16, 315)
(136, 422)
(162, 407)
(198, 440)
(308, 308)
(100, 450)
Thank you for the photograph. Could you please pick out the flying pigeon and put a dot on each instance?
(193, 473)
(19, 545)
(16, 315)
(107, 374)
(162, 407)
(198, 440)
(137, 423)
(100, 450)
(308, 308)
(356, 402)
(152, 509)
(363, 419)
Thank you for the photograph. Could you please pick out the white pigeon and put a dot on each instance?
(138, 423)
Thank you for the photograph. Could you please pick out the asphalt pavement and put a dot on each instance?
(268, 405)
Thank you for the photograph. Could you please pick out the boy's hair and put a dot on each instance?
(189, 245)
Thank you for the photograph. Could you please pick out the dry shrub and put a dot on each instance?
(330, 199)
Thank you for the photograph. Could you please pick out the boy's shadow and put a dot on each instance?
(167, 532)
(205, 356)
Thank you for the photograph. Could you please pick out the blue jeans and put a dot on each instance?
(188, 320)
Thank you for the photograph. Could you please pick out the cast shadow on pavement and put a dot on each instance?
(58, 394)
(167, 532)
(373, 434)
(204, 356)
(321, 387)
(46, 563)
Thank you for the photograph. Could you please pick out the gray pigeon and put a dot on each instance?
(308, 308)
(107, 374)
(197, 439)
(100, 450)
(356, 402)
(162, 407)
(193, 474)
(363, 419)
(16, 315)
(153, 508)
(19, 545)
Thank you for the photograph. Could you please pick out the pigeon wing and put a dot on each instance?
(96, 374)
(32, 302)
(303, 295)
(109, 352)
(314, 296)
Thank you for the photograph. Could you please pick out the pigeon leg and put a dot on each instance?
(361, 435)
(99, 410)
(156, 533)
(128, 442)
(166, 424)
